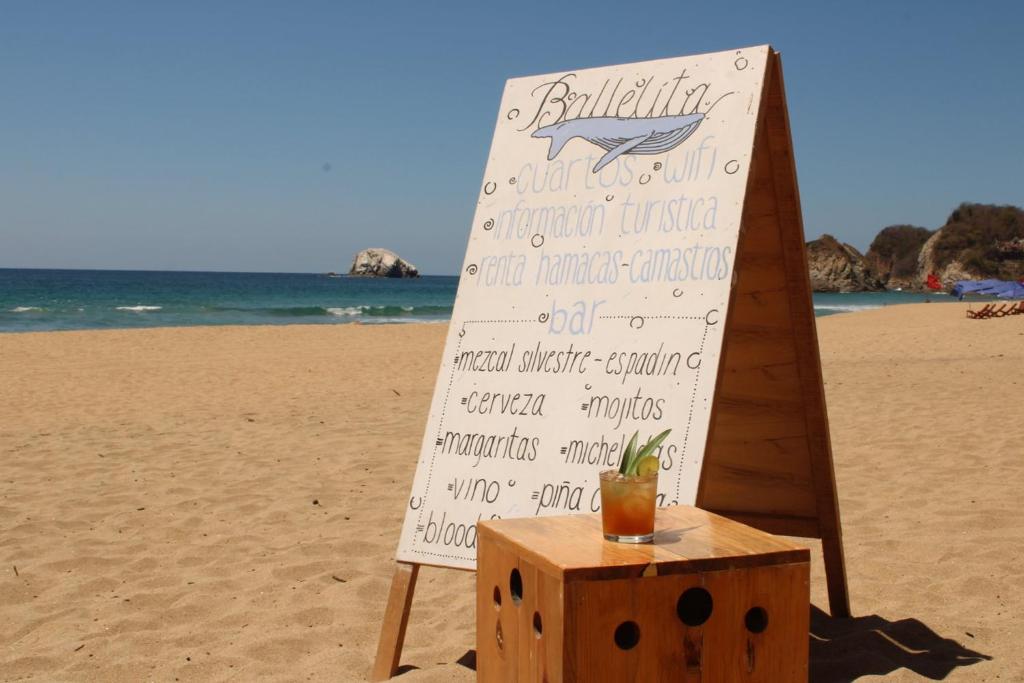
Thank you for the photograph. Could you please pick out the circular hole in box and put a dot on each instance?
(497, 598)
(515, 586)
(627, 635)
(694, 606)
(538, 626)
(756, 620)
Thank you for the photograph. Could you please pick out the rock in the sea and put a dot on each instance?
(381, 263)
(838, 267)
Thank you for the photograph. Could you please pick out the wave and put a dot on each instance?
(342, 311)
(392, 311)
(845, 307)
(139, 309)
(25, 309)
(395, 321)
(402, 311)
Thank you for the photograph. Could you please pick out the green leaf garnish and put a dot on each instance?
(648, 449)
(627, 455)
(632, 456)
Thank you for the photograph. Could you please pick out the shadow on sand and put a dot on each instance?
(843, 650)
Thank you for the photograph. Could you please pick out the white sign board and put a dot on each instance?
(593, 294)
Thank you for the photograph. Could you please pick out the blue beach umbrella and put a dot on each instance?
(1004, 289)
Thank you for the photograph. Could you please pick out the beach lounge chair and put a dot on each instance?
(982, 312)
(1000, 311)
(1017, 310)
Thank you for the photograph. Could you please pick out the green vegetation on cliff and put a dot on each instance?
(894, 251)
(973, 235)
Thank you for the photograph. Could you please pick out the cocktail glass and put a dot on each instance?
(627, 506)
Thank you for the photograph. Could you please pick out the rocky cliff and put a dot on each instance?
(381, 263)
(978, 241)
(893, 256)
(838, 267)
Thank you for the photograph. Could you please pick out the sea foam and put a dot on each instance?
(25, 309)
(139, 309)
(347, 310)
(844, 308)
(395, 321)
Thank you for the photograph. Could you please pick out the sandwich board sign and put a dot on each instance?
(636, 262)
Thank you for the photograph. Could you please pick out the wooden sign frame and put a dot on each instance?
(768, 457)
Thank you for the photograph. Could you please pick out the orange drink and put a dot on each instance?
(627, 506)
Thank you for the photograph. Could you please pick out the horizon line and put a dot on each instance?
(237, 272)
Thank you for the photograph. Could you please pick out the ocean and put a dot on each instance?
(37, 300)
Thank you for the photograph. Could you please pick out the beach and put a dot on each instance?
(224, 503)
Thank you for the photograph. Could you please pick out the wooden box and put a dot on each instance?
(710, 600)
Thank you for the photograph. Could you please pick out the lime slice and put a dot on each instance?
(648, 465)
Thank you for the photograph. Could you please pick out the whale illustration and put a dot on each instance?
(618, 136)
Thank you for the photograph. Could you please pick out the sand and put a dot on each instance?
(213, 504)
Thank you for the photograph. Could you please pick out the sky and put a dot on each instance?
(284, 137)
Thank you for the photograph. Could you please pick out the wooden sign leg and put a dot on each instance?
(396, 618)
(835, 575)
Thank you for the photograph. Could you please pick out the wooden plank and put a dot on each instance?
(575, 657)
(763, 277)
(601, 606)
(780, 651)
(746, 426)
(744, 349)
(788, 496)
(779, 460)
(782, 477)
(396, 619)
(784, 525)
(767, 431)
(686, 540)
(748, 356)
(782, 457)
(721, 648)
(533, 626)
(551, 638)
(497, 636)
(760, 235)
(762, 382)
(751, 408)
(528, 663)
